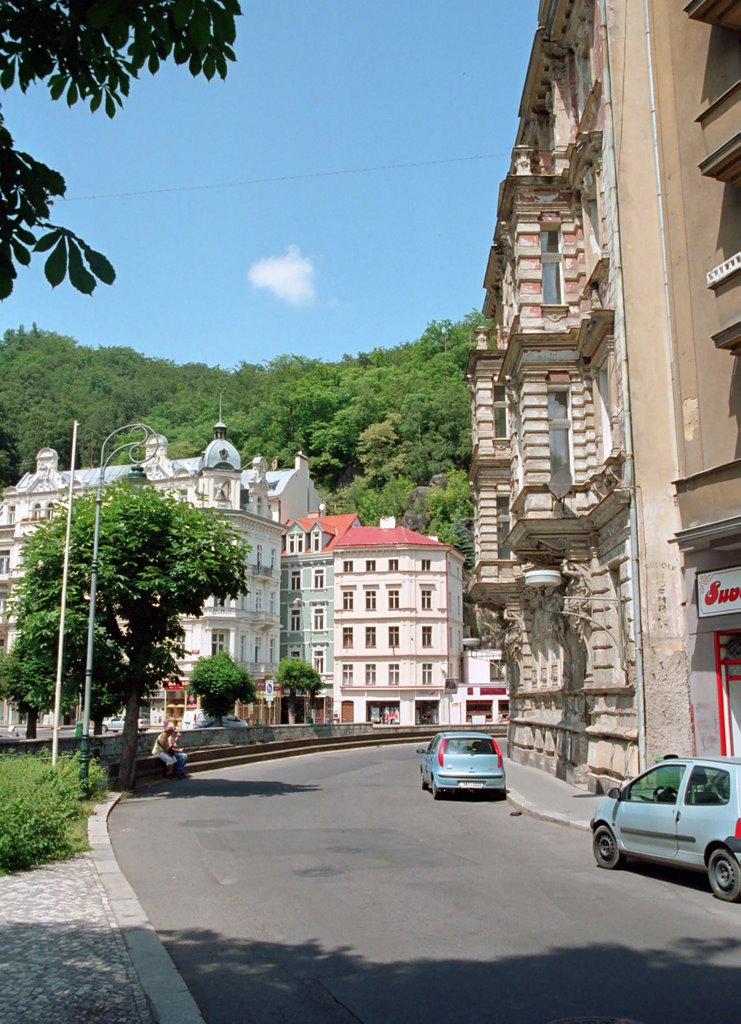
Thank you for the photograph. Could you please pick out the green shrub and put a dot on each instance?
(42, 808)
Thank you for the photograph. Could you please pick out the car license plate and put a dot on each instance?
(471, 785)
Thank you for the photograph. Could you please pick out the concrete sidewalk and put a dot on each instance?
(543, 796)
(76, 945)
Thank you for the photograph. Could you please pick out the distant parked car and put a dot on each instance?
(116, 723)
(197, 720)
(685, 812)
(456, 761)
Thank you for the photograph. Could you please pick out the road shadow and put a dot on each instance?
(690, 982)
(196, 785)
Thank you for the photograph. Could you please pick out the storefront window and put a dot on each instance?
(426, 712)
(382, 713)
(479, 712)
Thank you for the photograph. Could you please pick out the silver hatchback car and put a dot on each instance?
(685, 811)
(456, 761)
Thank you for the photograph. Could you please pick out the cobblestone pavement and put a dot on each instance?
(62, 955)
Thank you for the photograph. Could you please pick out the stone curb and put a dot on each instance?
(169, 998)
(527, 807)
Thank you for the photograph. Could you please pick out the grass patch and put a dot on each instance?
(44, 816)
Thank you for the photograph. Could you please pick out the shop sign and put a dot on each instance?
(719, 592)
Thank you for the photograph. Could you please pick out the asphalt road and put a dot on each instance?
(329, 888)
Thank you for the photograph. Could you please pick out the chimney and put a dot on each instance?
(388, 522)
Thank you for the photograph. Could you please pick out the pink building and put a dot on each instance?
(398, 626)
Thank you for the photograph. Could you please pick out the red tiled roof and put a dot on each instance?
(376, 536)
(336, 526)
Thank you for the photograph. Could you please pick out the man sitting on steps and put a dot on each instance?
(174, 757)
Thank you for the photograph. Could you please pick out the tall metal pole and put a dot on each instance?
(132, 447)
(63, 609)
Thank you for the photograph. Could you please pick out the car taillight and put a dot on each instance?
(441, 752)
(737, 833)
(500, 759)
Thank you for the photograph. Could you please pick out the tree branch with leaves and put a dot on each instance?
(89, 51)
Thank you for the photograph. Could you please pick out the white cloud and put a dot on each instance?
(289, 277)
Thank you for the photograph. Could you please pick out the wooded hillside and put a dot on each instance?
(374, 427)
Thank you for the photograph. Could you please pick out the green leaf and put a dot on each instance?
(199, 28)
(47, 241)
(110, 106)
(96, 100)
(6, 285)
(25, 236)
(154, 64)
(80, 277)
(195, 64)
(100, 266)
(57, 85)
(21, 253)
(181, 12)
(55, 267)
(8, 76)
(72, 95)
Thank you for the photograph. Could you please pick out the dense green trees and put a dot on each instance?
(388, 419)
(159, 559)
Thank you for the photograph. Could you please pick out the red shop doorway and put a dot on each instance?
(728, 675)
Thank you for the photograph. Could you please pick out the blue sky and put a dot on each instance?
(243, 239)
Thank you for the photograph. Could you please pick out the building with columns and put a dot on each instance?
(607, 398)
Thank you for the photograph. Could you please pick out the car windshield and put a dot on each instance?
(470, 745)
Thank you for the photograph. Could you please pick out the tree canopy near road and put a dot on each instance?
(159, 559)
(220, 682)
(298, 677)
(89, 51)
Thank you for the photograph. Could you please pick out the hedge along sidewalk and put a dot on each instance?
(165, 990)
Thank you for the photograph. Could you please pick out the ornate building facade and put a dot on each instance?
(251, 498)
(588, 392)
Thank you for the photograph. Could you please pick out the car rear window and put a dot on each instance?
(709, 786)
(470, 745)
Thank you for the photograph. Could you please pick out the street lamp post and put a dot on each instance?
(136, 448)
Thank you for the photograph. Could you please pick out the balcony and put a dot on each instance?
(494, 579)
(563, 528)
(725, 281)
(725, 163)
(261, 569)
(726, 13)
(719, 123)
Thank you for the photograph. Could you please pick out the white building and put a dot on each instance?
(398, 626)
(253, 499)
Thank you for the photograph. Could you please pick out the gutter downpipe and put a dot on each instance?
(611, 168)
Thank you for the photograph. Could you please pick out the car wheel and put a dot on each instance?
(724, 874)
(497, 794)
(424, 784)
(437, 794)
(605, 848)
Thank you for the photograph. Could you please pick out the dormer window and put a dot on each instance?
(316, 541)
(295, 543)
